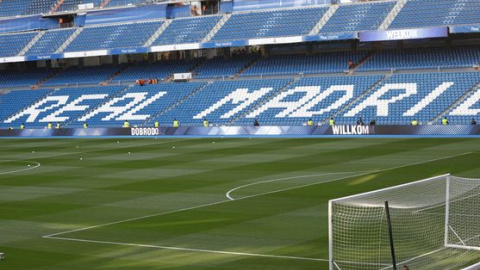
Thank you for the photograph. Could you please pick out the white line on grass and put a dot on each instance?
(229, 196)
(190, 249)
(247, 197)
(55, 235)
(37, 164)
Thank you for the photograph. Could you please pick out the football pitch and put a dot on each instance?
(218, 203)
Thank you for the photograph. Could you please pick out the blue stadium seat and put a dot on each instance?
(223, 68)
(310, 98)
(424, 13)
(218, 99)
(159, 70)
(423, 58)
(278, 23)
(103, 37)
(22, 78)
(85, 75)
(187, 30)
(158, 97)
(431, 94)
(333, 62)
(50, 42)
(358, 17)
(12, 44)
(16, 101)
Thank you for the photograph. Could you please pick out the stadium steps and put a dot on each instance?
(69, 40)
(217, 27)
(180, 101)
(360, 97)
(198, 65)
(316, 29)
(118, 72)
(267, 99)
(157, 33)
(29, 105)
(48, 77)
(253, 62)
(121, 92)
(365, 59)
(31, 43)
(56, 6)
(455, 104)
(105, 3)
(392, 15)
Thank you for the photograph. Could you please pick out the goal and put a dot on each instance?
(435, 224)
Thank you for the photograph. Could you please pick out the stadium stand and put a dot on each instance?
(358, 17)
(116, 3)
(138, 104)
(160, 70)
(85, 75)
(187, 30)
(16, 101)
(12, 44)
(223, 68)
(302, 63)
(423, 13)
(276, 23)
(52, 107)
(22, 78)
(222, 101)
(318, 98)
(50, 42)
(404, 97)
(10, 8)
(113, 36)
(423, 58)
(467, 109)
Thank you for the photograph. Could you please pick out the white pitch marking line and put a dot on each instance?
(188, 249)
(247, 197)
(37, 164)
(228, 194)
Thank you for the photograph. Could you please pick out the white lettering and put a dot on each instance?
(72, 107)
(240, 96)
(34, 110)
(382, 105)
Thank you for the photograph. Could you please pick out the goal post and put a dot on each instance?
(435, 224)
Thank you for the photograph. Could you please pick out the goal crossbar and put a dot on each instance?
(433, 219)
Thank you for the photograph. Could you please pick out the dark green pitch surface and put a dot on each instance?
(280, 211)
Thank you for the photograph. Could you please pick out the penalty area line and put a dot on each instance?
(229, 196)
(187, 249)
(251, 196)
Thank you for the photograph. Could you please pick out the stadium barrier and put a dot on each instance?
(339, 130)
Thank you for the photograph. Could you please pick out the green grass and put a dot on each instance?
(284, 214)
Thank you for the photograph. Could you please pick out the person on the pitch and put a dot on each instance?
(205, 122)
(176, 124)
(57, 126)
(49, 126)
(22, 126)
(156, 124)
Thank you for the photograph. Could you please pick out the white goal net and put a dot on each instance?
(435, 225)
